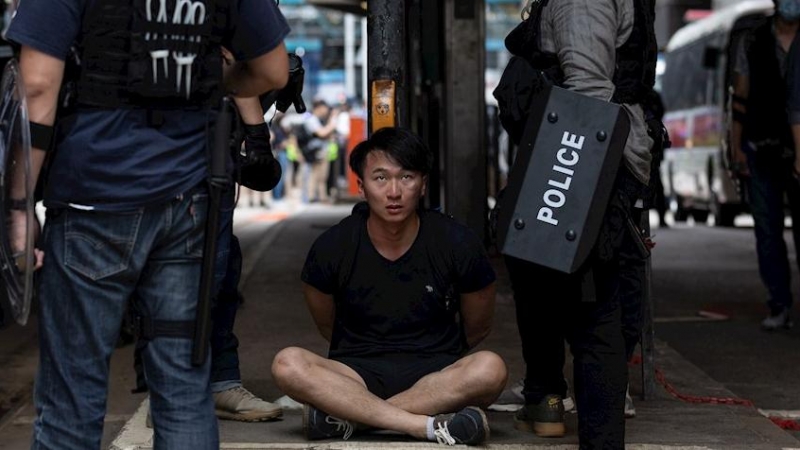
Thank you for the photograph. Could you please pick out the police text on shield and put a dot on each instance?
(561, 179)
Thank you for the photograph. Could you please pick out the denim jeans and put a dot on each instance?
(770, 178)
(95, 262)
(279, 190)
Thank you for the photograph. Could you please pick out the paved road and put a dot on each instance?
(696, 268)
(712, 269)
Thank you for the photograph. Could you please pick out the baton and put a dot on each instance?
(218, 182)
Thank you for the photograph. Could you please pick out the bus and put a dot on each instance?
(696, 89)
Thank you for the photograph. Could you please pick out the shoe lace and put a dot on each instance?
(443, 434)
(245, 393)
(341, 425)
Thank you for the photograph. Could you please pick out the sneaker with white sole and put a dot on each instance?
(630, 410)
(240, 404)
(468, 427)
(775, 320)
(318, 424)
(510, 399)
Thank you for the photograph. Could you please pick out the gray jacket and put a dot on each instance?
(585, 35)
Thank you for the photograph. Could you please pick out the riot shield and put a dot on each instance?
(562, 179)
(16, 238)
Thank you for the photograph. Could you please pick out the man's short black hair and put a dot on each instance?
(400, 145)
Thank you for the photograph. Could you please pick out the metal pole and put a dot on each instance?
(349, 55)
(648, 332)
(388, 97)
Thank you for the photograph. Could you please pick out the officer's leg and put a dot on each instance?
(85, 283)
(631, 277)
(227, 269)
(539, 297)
(600, 368)
(180, 397)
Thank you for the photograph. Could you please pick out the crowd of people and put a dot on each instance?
(312, 149)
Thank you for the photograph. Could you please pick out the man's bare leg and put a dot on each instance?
(339, 391)
(474, 380)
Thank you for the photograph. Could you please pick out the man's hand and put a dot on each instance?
(739, 165)
(17, 235)
(796, 168)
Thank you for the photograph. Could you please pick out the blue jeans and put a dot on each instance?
(95, 262)
(228, 267)
(279, 191)
(770, 178)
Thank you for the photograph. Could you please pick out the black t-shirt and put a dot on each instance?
(409, 305)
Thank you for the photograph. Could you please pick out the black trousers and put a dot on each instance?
(551, 310)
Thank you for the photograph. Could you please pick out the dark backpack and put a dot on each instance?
(309, 144)
(528, 72)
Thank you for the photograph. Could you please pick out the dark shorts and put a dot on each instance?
(388, 375)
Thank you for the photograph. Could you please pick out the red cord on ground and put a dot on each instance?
(786, 424)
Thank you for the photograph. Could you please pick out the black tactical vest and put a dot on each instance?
(152, 53)
(766, 120)
(635, 60)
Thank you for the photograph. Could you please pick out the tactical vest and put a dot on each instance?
(766, 120)
(161, 54)
(635, 60)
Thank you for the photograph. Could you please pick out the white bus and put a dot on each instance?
(696, 88)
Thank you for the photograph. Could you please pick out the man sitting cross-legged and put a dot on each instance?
(401, 294)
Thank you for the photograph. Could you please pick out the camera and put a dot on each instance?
(291, 94)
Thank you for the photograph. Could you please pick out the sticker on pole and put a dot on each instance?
(18, 222)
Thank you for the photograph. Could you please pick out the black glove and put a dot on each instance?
(259, 169)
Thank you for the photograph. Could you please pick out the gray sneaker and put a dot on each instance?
(318, 424)
(778, 320)
(240, 404)
(468, 427)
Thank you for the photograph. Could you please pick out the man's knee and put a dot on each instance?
(490, 371)
(289, 366)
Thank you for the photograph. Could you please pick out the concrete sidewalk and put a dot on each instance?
(274, 316)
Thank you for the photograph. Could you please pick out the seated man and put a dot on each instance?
(401, 294)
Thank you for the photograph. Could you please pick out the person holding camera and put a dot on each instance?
(402, 294)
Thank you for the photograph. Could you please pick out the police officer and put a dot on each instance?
(126, 193)
(604, 49)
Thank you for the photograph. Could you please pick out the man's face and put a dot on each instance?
(391, 191)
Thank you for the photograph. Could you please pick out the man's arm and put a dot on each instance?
(250, 110)
(261, 74)
(322, 308)
(477, 314)
(41, 76)
(584, 35)
(741, 90)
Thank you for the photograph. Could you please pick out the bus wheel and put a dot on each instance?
(679, 212)
(700, 215)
